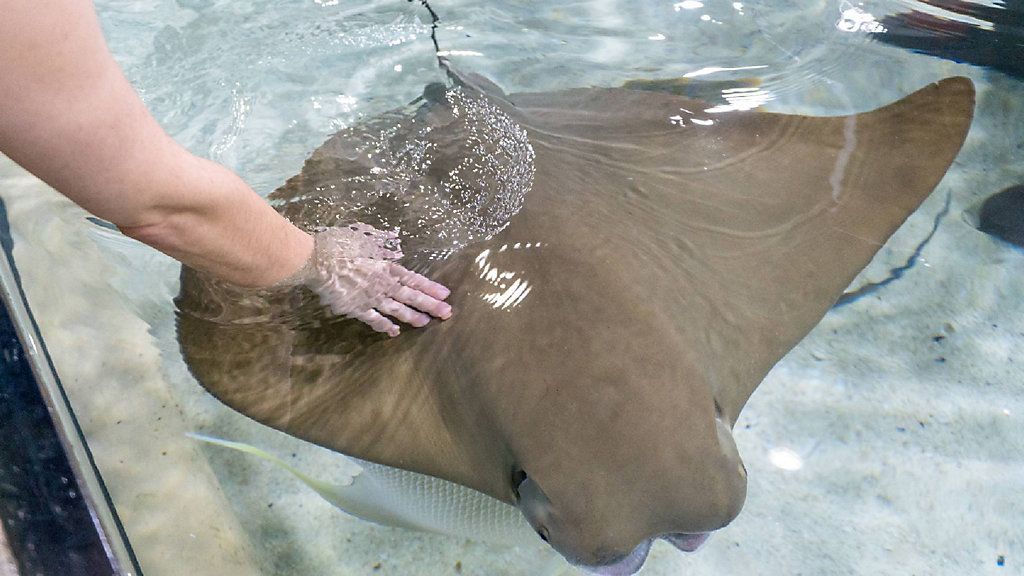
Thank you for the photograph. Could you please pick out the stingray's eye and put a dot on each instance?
(543, 533)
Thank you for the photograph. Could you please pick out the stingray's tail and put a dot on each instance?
(434, 21)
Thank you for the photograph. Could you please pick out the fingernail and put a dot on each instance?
(446, 313)
(393, 332)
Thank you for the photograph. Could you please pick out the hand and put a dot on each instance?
(354, 272)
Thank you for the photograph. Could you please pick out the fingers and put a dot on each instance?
(423, 302)
(403, 313)
(378, 322)
(356, 276)
(420, 282)
(408, 305)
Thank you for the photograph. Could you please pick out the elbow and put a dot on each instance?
(161, 233)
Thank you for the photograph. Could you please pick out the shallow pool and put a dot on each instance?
(889, 441)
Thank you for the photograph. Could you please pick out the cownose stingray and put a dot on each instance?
(625, 267)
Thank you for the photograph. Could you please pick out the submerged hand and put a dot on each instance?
(354, 272)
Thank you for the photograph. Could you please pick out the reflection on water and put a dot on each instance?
(856, 19)
(513, 288)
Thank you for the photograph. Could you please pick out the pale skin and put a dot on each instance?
(69, 116)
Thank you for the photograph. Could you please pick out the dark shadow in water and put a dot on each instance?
(1002, 215)
(998, 45)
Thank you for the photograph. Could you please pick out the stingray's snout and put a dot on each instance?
(596, 553)
(543, 517)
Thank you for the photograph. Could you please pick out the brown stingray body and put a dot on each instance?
(606, 339)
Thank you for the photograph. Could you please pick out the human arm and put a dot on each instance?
(69, 116)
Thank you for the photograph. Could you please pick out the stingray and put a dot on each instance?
(626, 267)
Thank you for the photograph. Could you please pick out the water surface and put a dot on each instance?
(889, 441)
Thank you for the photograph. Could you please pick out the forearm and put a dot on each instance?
(68, 115)
(227, 230)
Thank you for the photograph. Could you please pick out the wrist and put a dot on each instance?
(306, 271)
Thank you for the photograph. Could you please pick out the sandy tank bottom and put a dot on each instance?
(890, 441)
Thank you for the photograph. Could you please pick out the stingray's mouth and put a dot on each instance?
(687, 542)
(632, 563)
(624, 566)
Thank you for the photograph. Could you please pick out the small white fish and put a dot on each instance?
(395, 497)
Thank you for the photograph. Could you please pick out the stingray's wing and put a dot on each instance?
(870, 172)
(279, 359)
(743, 227)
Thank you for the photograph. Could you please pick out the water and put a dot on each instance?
(889, 441)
